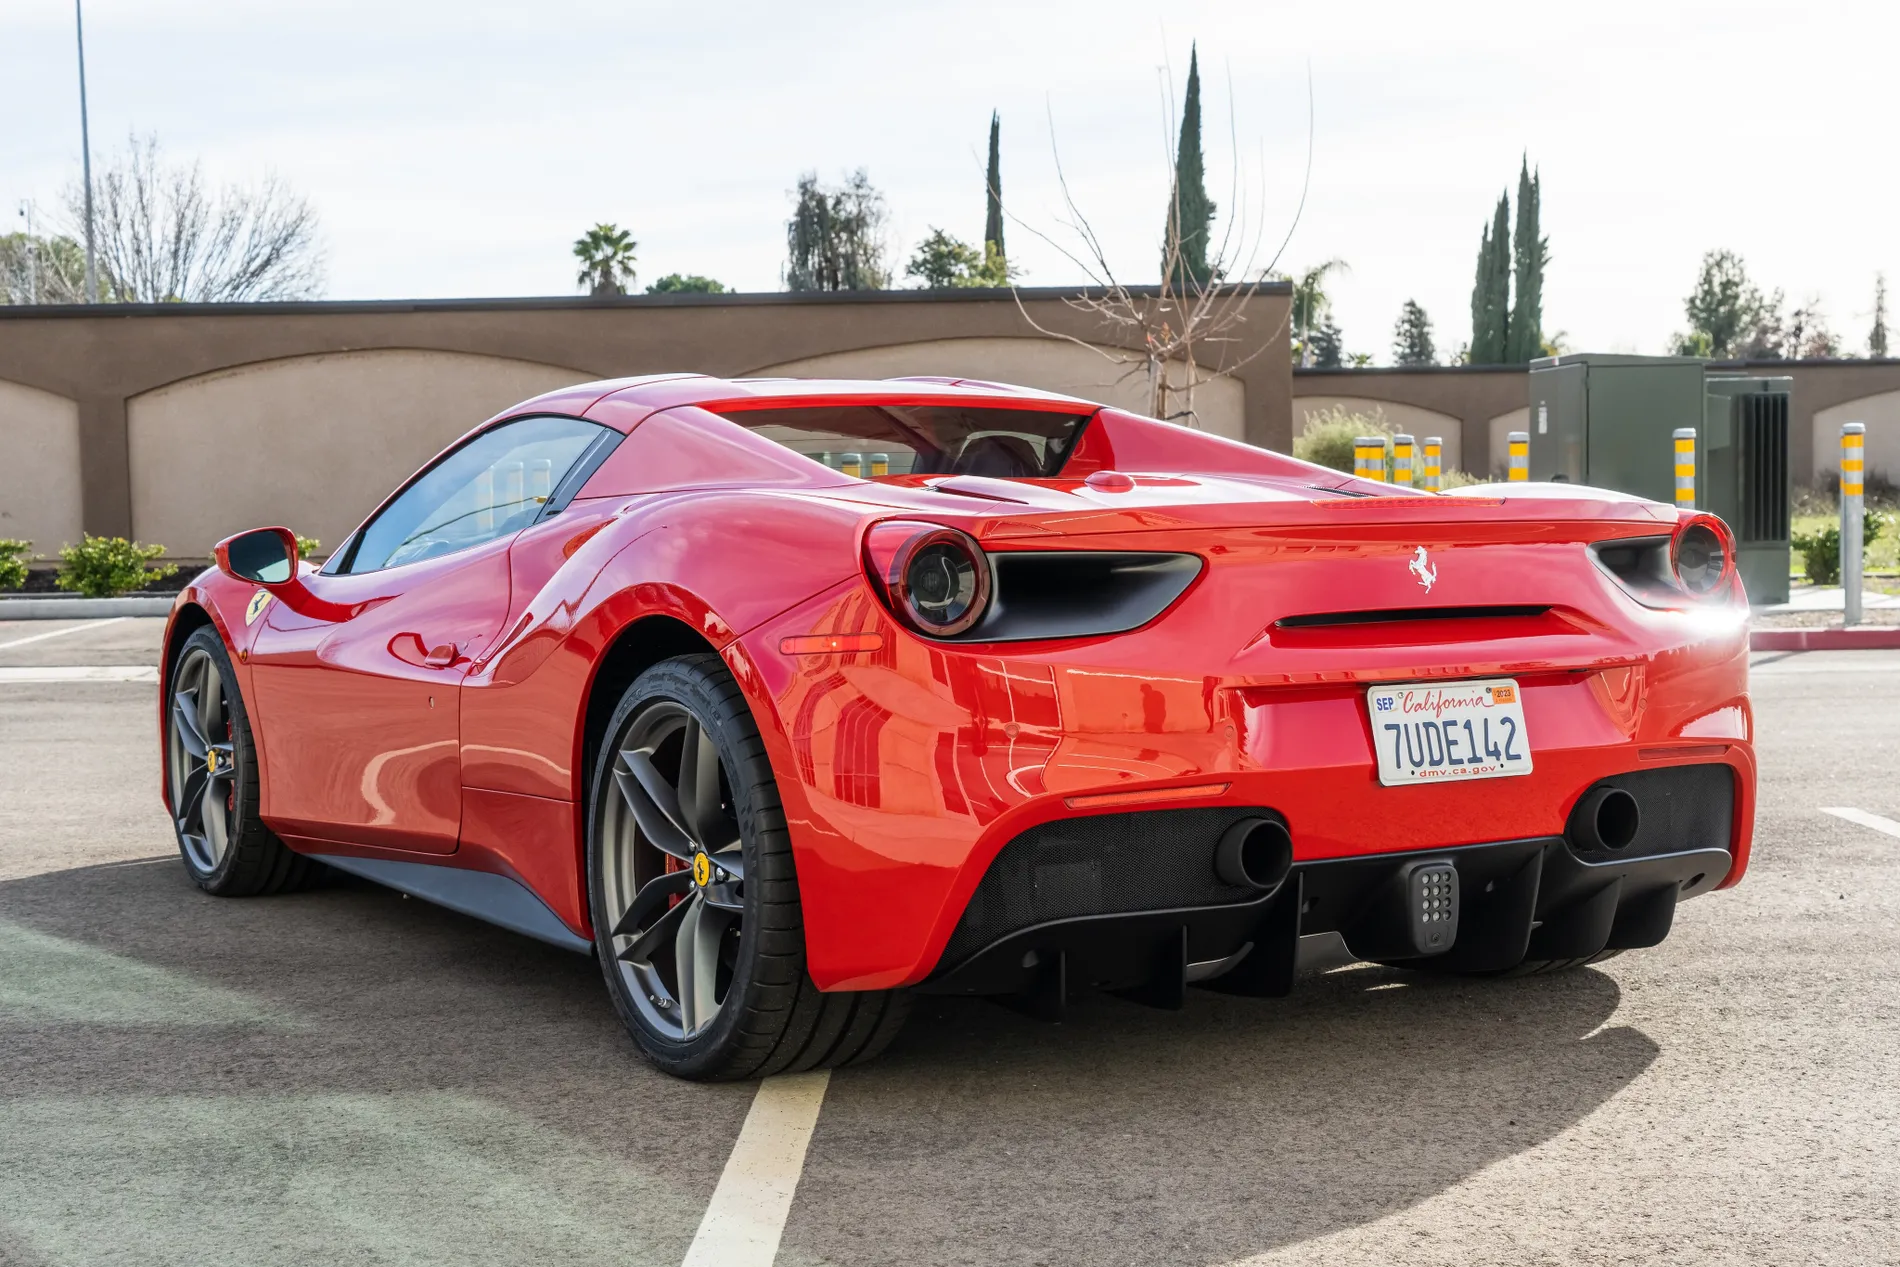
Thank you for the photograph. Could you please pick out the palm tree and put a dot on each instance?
(606, 255)
(1310, 301)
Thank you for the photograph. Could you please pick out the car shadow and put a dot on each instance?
(350, 1073)
(337, 1075)
(1226, 1130)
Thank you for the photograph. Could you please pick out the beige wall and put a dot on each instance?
(1402, 418)
(1053, 365)
(311, 442)
(39, 468)
(1499, 429)
(1881, 414)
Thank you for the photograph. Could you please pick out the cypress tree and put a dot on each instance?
(1190, 213)
(993, 221)
(1526, 339)
(1491, 296)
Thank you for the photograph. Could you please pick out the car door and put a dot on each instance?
(359, 685)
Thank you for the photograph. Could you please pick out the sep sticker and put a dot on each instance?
(259, 601)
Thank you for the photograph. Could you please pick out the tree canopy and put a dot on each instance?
(1190, 212)
(1525, 340)
(835, 238)
(1412, 337)
(162, 236)
(993, 193)
(686, 284)
(607, 256)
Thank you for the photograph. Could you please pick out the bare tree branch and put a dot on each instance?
(163, 237)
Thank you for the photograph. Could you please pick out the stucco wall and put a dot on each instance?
(1881, 414)
(39, 468)
(311, 442)
(1054, 365)
(1411, 420)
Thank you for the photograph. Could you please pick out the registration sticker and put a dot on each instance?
(1443, 733)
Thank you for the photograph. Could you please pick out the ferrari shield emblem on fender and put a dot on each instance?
(259, 601)
(1423, 570)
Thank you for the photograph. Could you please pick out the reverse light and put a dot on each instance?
(1702, 555)
(934, 579)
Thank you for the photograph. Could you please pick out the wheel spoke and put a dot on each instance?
(651, 901)
(654, 804)
(211, 702)
(212, 816)
(191, 802)
(185, 723)
(656, 936)
(702, 817)
(708, 931)
(686, 964)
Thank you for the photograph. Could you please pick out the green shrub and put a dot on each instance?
(100, 567)
(1458, 479)
(1820, 551)
(307, 546)
(12, 565)
(1329, 435)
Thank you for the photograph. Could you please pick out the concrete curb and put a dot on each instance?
(1871, 638)
(79, 607)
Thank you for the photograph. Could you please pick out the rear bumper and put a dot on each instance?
(1135, 900)
(1535, 899)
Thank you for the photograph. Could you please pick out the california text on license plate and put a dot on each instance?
(1443, 733)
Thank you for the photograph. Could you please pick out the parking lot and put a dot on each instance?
(350, 1076)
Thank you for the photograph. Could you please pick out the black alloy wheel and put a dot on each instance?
(694, 895)
(211, 779)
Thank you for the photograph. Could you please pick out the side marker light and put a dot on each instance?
(830, 644)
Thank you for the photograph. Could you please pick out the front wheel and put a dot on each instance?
(694, 897)
(211, 772)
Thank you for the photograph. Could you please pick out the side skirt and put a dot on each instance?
(482, 894)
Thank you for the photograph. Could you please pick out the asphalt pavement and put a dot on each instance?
(349, 1076)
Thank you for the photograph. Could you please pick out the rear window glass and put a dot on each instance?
(873, 440)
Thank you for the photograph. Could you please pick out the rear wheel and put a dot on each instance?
(211, 770)
(694, 896)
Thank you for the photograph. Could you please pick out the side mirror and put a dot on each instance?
(262, 556)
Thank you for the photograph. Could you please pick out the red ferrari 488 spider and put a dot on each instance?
(790, 699)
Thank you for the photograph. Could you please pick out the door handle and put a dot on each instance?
(441, 657)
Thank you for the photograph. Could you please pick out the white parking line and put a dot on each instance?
(1862, 817)
(79, 673)
(54, 633)
(749, 1207)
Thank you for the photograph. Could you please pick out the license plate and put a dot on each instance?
(1444, 733)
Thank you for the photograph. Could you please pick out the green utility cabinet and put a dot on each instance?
(1742, 475)
(1609, 422)
(1606, 421)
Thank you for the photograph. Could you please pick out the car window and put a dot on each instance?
(491, 486)
(873, 440)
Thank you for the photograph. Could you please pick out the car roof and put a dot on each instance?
(665, 391)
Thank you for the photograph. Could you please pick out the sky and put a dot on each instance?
(458, 149)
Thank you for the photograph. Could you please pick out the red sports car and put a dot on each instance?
(789, 699)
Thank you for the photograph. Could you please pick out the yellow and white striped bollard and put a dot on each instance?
(1404, 447)
(1434, 474)
(851, 464)
(1853, 475)
(1520, 446)
(1368, 458)
(1685, 468)
(880, 464)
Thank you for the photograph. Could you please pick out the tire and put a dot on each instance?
(696, 870)
(211, 767)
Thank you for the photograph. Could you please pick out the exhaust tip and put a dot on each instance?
(1608, 818)
(1254, 853)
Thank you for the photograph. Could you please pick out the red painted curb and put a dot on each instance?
(1877, 638)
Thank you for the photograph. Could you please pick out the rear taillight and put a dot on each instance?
(1702, 555)
(934, 579)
